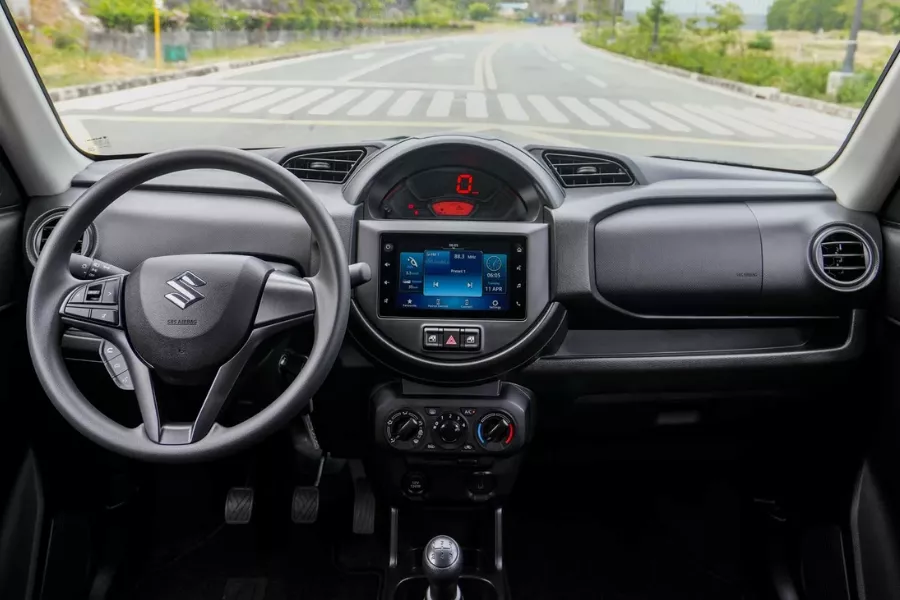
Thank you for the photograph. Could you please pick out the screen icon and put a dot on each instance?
(493, 263)
(412, 262)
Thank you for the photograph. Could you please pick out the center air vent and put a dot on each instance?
(585, 170)
(328, 165)
(43, 227)
(844, 258)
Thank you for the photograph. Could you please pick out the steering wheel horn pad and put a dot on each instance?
(190, 313)
(236, 301)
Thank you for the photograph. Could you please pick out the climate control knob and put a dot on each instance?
(449, 430)
(495, 431)
(404, 430)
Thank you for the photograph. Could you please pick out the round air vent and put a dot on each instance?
(844, 258)
(42, 228)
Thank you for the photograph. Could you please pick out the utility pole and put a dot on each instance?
(157, 50)
(852, 43)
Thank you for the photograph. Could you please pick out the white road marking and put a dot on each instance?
(780, 117)
(816, 118)
(447, 56)
(147, 103)
(490, 78)
(363, 56)
(265, 101)
(654, 115)
(405, 103)
(765, 122)
(335, 102)
(583, 112)
(550, 113)
(512, 109)
(440, 105)
(188, 102)
(370, 103)
(115, 98)
(232, 100)
(300, 101)
(698, 122)
(595, 81)
(380, 85)
(567, 67)
(623, 116)
(384, 63)
(541, 50)
(476, 105)
(729, 121)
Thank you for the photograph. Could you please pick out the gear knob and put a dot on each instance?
(442, 565)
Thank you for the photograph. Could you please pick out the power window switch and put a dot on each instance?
(432, 338)
(471, 339)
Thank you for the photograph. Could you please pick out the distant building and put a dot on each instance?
(508, 10)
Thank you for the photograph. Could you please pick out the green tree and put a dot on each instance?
(655, 13)
(779, 15)
(726, 18)
(479, 11)
(892, 23)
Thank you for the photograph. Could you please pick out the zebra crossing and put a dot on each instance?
(595, 111)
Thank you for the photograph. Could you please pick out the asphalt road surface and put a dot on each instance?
(534, 85)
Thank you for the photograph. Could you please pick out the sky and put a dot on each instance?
(751, 7)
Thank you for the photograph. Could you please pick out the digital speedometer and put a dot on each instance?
(452, 193)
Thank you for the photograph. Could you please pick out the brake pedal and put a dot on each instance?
(239, 505)
(363, 500)
(305, 504)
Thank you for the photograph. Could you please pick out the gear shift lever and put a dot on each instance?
(442, 564)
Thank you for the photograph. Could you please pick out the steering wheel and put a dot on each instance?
(187, 316)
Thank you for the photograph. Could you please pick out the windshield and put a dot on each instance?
(752, 82)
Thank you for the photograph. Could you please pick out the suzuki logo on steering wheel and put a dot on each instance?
(186, 292)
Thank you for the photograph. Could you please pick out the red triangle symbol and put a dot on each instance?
(451, 341)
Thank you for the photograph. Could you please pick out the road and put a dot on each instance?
(535, 85)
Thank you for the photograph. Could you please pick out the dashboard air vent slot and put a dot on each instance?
(586, 170)
(332, 166)
(843, 258)
(43, 228)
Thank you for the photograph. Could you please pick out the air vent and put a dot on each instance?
(585, 170)
(328, 165)
(43, 228)
(843, 258)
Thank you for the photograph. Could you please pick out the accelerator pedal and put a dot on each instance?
(239, 505)
(363, 500)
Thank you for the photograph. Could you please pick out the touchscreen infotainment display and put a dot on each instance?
(474, 276)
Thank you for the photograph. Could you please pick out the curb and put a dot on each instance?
(105, 87)
(772, 94)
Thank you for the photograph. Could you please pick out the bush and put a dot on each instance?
(121, 15)
(856, 90)
(257, 20)
(761, 41)
(479, 11)
(68, 35)
(203, 16)
(234, 20)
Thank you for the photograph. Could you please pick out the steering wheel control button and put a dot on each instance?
(94, 293)
(404, 430)
(471, 339)
(432, 338)
(449, 430)
(111, 292)
(117, 366)
(109, 351)
(451, 338)
(123, 380)
(105, 315)
(74, 311)
(495, 431)
(77, 296)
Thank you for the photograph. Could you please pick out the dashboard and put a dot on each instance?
(489, 263)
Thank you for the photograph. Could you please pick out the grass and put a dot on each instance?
(62, 67)
(873, 49)
(704, 54)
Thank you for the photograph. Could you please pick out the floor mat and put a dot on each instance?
(674, 538)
